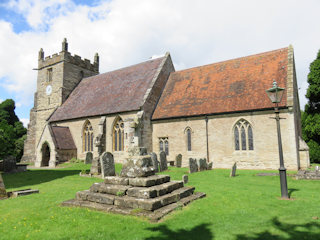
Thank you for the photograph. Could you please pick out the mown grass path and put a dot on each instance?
(244, 207)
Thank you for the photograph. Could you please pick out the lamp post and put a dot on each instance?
(275, 94)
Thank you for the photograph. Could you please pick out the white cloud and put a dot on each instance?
(125, 32)
(25, 122)
(1, 100)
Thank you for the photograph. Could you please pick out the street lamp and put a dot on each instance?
(275, 94)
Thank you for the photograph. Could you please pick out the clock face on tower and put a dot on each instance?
(48, 90)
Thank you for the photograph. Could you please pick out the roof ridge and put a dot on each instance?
(123, 68)
(234, 59)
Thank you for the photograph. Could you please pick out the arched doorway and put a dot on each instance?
(45, 155)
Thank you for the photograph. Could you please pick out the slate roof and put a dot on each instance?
(230, 86)
(117, 91)
(63, 138)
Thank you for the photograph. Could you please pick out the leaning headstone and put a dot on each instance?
(107, 165)
(179, 160)
(163, 161)
(185, 179)
(89, 157)
(193, 166)
(209, 166)
(3, 192)
(202, 164)
(9, 164)
(155, 161)
(95, 166)
(233, 170)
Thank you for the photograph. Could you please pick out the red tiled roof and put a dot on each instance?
(63, 138)
(229, 86)
(117, 91)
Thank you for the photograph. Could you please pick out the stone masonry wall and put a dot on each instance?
(151, 98)
(221, 140)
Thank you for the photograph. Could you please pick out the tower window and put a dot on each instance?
(49, 75)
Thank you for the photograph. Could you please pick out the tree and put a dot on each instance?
(311, 116)
(12, 132)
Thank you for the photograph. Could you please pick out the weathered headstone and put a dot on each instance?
(9, 164)
(107, 165)
(95, 166)
(317, 169)
(3, 192)
(202, 164)
(163, 161)
(233, 170)
(193, 166)
(209, 166)
(179, 160)
(89, 157)
(185, 179)
(155, 161)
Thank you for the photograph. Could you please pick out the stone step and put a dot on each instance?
(95, 197)
(151, 215)
(119, 190)
(153, 203)
(116, 180)
(149, 181)
(155, 191)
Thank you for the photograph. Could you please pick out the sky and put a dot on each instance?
(126, 32)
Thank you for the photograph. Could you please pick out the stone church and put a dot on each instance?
(219, 111)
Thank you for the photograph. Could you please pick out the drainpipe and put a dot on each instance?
(206, 119)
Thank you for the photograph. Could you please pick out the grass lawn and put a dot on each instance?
(244, 207)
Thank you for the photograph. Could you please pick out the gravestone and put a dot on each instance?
(202, 164)
(209, 167)
(9, 164)
(179, 160)
(89, 157)
(185, 179)
(155, 161)
(95, 166)
(317, 169)
(163, 161)
(3, 192)
(233, 170)
(193, 166)
(107, 165)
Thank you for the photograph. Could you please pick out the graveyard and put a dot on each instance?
(246, 206)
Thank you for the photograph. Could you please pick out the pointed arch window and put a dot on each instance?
(188, 136)
(118, 135)
(164, 145)
(243, 136)
(87, 137)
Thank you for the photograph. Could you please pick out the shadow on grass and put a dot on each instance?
(292, 190)
(198, 232)
(310, 231)
(34, 177)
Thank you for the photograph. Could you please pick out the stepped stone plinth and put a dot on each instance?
(136, 192)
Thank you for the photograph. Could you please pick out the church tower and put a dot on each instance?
(58, 75)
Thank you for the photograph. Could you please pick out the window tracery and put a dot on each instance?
(243, 136)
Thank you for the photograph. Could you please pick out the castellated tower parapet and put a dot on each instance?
(66, 56)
